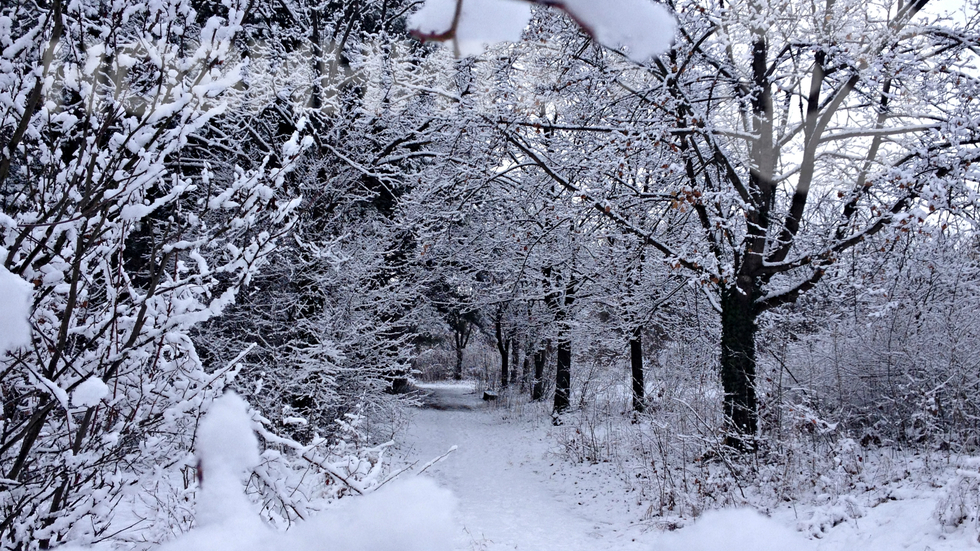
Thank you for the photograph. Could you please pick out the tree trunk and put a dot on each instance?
(636, 370)
(462, 330)
(738, 330)
(563, 374)
(537, 388)
(504, 364)
(458, 370)
(516, 356)
(503, 346)
(563, 364)
(526, 372)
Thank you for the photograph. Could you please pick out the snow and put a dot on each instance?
(511, 489)
(225, 439)
(515, 491)
(15, 309)
(226, 448)
(405, 515)
(893, 526)
(408, 515)
(500, 483)
(481, 22)
(435, 16)
(642, 27)
(742, 529)
(89, 393)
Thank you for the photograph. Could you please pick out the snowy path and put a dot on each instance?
(512, 494)
(508, 495)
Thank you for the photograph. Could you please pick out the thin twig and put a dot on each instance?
(438, 459)
(333, 472)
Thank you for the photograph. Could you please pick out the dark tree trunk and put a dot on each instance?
(563, 374)
(636, 370)
(537, 388)
(504, 365)
(462, 331)
(458, 369)
(738, 330)
(526, 371)
(503, 346)
(563, 363)
(516, 355)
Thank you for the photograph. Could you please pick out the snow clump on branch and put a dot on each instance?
(15, 309)
(641, 27)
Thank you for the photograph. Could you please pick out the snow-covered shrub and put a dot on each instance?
(293, 479)
(285, 484)
(892, 359)
(830, 513)
(411, 515)
(959, 504)
(127, 245)
(672, 456)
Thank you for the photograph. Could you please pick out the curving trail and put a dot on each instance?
(510, 493)
(513, 494)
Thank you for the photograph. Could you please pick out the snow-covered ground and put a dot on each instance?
(508, 488)
(510, 492)
(514, 492)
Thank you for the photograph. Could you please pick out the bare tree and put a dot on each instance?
(769, 141)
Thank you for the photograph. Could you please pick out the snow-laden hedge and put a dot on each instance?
(409, 515)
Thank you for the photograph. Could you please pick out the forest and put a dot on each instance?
(726, 252)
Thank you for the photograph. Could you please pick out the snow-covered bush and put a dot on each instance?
(127, 246)
(960, 503)
(887, 358)
(410, 515)
(338, 305)
(674, 460)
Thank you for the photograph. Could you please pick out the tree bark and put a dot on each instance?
(563, 369)
(563, 374)
(462, 330)
(504, 364)
(738, 329)
(503, 346)
(636, 370)
(526, 371)
(458, 369)
(516, 356)
(537, 388)
(563, 364)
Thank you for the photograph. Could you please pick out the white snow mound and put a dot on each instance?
(735, 529)
(15, 309)
(89, 392)
(410, 515)
(225, 439)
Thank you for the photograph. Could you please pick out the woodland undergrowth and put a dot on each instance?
(828, 469)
